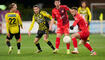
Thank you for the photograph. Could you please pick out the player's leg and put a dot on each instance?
(48, 42)
(38, 36)
(9, 44)
(17, 36)
(66, 33)
(87, 45)
(74, 38)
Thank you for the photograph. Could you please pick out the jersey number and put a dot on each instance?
(12, 20)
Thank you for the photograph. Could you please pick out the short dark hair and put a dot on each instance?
(75, 8)
(11, 5)
(36, 6)
(57, 0)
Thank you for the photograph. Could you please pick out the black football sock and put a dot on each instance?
(18, 45)
(50, 44)
(8, 43)
(38, 46)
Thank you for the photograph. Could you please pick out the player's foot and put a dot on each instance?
(55, 51)
(18, 52)
(74, 52)
(10, 50)
(92, 54)
(38, 51)
(68, 51)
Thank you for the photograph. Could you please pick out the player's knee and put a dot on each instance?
(7, 40)
(36, 41)
(72, 36)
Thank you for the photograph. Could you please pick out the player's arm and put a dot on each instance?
(79, 10)
(67, 8)
(7, 25)
(74, 24)
(20, 21)
(90, 16)
(52, 21)
(31, 26)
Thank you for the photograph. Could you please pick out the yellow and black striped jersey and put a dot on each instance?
(85, 13)
(13, 21)
(40, 19)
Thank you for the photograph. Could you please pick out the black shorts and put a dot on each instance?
(41, 33)
(17, 36)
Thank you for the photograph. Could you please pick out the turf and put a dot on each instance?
(28, 48)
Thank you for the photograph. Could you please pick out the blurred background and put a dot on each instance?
(97, 8)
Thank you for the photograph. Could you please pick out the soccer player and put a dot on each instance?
(83, 33)
(13, 21)
(85, 12)
(60, 13)
(39, 17)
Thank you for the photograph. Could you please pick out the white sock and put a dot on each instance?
(75, 49)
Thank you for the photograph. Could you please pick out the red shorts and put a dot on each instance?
(84, 35)
(63, 29)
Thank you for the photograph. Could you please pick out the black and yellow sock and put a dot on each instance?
(18, 45)
(38, 46)
(50, 44)
(8, 43)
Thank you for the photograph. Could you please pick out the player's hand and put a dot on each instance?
(29, 33)
(50, 28)
(71, 27)
(8, 34)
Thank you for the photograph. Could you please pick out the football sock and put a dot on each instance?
(74, 42)
(87, 45)
(8, 43)
(38, 46)
(18, 45)
(68, 46)
(50, 44)
(57, 42)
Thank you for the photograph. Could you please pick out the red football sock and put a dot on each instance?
(57, 42)
(87, 45)
(68, 45)
(74, 42)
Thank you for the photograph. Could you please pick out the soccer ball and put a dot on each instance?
(66, 39)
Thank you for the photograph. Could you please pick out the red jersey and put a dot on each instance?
(61, 15)
(81, 22)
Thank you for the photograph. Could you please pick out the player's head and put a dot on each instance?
(13, 7)
(57, 3)
(74, 10)
(83, 4)
(36, 9)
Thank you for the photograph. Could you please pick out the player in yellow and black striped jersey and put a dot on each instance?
(13, 21)
(39, 17)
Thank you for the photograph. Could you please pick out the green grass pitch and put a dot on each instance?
(28, 48)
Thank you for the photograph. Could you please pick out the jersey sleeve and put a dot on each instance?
(53, 15)
(44, 13)
(7, 23)
(76, 21)
(89, 13)
(20, 21)
(66, 7)
(79, 10)
(33, 21)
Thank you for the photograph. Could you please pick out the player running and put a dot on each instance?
(39, 17)
(83, 33)
(85, 12)
(13, 21)
(60, 13)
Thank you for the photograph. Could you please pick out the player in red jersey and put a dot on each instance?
(60, 13)
(83, 33)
